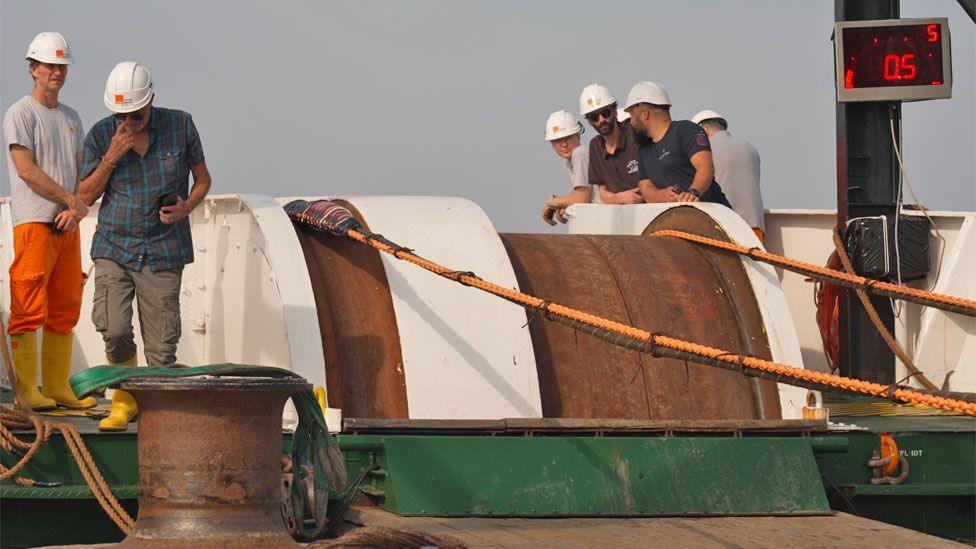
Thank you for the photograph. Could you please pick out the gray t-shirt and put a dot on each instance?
(576, 168)
(55, 137)
(737, 169)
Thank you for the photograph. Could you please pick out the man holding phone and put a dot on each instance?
(139, 161)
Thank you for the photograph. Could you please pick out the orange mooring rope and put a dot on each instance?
(954, 304)
(708, 354)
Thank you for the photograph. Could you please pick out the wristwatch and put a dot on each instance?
(695, 192)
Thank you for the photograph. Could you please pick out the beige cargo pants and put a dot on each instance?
(158, 297)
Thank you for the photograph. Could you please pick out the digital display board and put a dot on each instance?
(892, 60)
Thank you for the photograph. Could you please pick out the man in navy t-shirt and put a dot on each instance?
(674, 163)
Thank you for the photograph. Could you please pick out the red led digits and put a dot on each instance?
(891, 67)
(908, 65)
(897, 55)
(900, 68)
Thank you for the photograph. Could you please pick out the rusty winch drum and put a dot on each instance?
(210, 461)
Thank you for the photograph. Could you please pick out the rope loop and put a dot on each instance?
(403, 249)
(458, 276)
(544, 309)
(652, 345)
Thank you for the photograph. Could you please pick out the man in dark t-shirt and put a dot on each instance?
(674, 162)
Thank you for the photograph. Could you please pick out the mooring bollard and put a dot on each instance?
(210, 461)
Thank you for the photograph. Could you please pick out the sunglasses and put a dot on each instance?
(136, 116)
(607, 113)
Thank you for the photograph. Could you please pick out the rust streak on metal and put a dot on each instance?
(360, 339)
(660, 285)
(752, 338)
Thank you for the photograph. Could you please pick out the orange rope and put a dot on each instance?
(899, 394)
(955, 304)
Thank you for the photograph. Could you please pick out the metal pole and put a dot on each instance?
(867, 185)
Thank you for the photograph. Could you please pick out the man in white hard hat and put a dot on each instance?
(675, 159)
(563, 132)
(613, 152)
(737, 167)
(138, 161)
(44, 138)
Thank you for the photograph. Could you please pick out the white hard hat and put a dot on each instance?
(562, 124)
(706, 114)
(594, 98)
(49, 47)
(129, 87)
(647, 92)
(622, 115)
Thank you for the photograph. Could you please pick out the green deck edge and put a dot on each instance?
(588, 476)
(938, 497)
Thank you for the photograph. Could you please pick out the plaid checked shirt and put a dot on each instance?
(129, 231)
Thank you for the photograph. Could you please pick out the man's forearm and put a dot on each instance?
(42, 184)
(606, 196)
(92, 187)
(579, 195)
(650, 193)
(703, 180)
(198, 192)
(704, 171)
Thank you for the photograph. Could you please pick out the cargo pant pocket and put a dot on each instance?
(172, 326)
(100, 303)
(28, 301)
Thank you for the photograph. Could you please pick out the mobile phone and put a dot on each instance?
(168, 199)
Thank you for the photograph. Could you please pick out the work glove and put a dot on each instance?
(561, 215)
(547, 212)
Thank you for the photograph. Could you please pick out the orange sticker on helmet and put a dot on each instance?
(555, 129)
(589, 101)
(59, 53)
(119, 99)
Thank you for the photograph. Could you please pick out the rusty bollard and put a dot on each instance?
(210, 461)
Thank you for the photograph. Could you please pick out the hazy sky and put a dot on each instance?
(451, 98)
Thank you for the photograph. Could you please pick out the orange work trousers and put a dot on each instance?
(46, 280)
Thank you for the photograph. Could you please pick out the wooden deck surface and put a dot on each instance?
(841, 530)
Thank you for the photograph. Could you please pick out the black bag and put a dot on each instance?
(870, 243)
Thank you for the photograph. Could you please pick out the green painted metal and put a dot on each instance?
(43, 522)
(68, 514)
(113, 453)
(588, 476)
(939, 495)
(579, 475)
(125, 491)
(961, 489)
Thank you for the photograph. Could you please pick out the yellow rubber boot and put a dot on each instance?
(123, 406)
(55, 370)
(24, 347)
